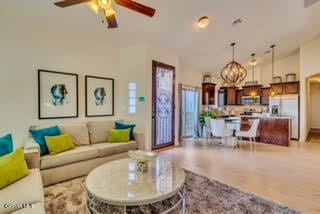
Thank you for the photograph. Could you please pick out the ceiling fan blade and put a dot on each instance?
(140, 8)
(112, 21)
(67, 3)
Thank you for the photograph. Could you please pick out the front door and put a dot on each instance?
(163, 95)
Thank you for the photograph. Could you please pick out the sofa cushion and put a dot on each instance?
(13, 167)
(99, 130)
(79, 132)
(36, 208)
(6, 144)
(119, 135)
(80, 153)
(119, 125)
(107, 149)
(27, 190)
(39, 134)
(60, 143)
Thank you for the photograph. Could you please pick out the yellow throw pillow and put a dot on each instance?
(60, 143)
(13, 167)
(119, 135)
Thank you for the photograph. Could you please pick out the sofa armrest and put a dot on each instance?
(30, 144)
(32, 153)
(32, 158)
(139, 137)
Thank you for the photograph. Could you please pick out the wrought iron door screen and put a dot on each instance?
(163, 105)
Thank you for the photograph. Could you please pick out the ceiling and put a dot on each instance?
(285, 23)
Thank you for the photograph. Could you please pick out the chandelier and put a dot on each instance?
(233, 73)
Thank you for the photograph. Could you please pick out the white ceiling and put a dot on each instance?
(264, 22)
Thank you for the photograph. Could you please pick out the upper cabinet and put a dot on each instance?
(227, 96)
(208, 93)
(277, 88)
(252, 90)
(285, 88)
(265, 93)
(291, 87)
(239, 96)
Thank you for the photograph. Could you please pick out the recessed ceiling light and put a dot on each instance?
(203, 22)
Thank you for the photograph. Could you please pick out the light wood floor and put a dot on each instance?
(287, 175)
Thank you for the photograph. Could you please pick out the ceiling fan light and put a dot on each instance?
(105, 4)
(110, 11)
(93, 5)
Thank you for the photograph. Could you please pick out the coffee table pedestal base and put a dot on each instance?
(173, 204)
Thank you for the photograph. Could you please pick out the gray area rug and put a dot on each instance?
(202, 196)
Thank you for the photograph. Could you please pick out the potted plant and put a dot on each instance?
(203, 115)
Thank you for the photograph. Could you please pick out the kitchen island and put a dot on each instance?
(271, 130)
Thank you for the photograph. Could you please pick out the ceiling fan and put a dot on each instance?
(106, 6)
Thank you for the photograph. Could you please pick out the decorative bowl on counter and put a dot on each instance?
(142, 156)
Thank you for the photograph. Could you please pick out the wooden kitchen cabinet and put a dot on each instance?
(239, 97)
(265, 93)
(208, 93)
(285, 88)
(277, 88)
(291, 87)
(252, 90)
(229, 94)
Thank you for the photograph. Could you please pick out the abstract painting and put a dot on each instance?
(99, 96)
(57, 95)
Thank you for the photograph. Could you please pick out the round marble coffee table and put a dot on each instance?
(117, 187)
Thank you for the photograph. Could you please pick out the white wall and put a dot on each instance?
(315, 105)
(136, 65)
(168, 57)
(26, 48)
(309, 66)
(283, 66)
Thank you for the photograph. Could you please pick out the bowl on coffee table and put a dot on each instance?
(142, 158)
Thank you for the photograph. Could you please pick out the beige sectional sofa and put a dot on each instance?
(19, 196)
(92, 150)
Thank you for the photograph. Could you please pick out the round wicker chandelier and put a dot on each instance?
(233, 73)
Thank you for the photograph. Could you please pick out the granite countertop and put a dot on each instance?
(266, 117)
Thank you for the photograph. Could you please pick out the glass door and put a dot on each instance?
(163, 94)
(189, 112)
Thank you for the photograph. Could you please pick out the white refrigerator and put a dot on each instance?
(287, 106)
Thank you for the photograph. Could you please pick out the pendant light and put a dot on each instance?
(253, 63)
(272, 92)
(233, 73)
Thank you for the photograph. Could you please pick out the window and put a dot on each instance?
(132, 98)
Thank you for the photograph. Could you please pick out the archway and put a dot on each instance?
(313, 106)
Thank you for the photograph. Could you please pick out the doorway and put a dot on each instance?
(189, 111)
(313, 109)
(163, 105)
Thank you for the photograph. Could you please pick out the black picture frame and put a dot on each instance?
(91, 106)
(44, 97)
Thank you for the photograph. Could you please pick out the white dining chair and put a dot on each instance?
(218, 129)
(251, 133)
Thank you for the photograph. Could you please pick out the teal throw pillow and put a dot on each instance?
(39, 137)
(6, 144)
(126, 126)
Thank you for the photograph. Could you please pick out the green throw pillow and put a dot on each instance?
(119, 135)
(60, 143)
(13, 167)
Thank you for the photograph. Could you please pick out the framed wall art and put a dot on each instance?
(99, 96)
(57, 95)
